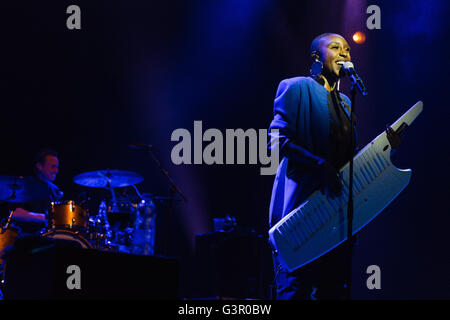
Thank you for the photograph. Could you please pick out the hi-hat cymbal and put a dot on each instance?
(17, 189)
(108, 179)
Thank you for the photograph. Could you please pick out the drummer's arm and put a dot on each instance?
(25, 215)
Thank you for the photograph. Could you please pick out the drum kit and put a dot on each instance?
(124, 223)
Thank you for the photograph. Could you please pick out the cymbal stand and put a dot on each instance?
(8, 222)
(14, 187)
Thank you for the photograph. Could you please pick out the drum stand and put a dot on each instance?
(14, 187)
(8, 222)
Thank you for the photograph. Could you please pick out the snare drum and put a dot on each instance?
(68, 215)
(69, 235)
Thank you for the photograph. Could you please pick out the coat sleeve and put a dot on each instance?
(283, 127)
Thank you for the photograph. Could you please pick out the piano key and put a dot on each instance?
(356, 186)
(377, 163)
(292, 234)
(325, 213)
(333, 205)
(301, 226)
(318, 207)
(287, 238)
(368, 174)
(344, 199)
(345, 193)
(373, 170)
(307, 225)
(296, 237)
(300, 233)
(363, 175)
(292, 241)
(306, 208)
(321, 218)
(366, 171)
(314, 219)
(306, 233)
(371, 165)
(383, 161)
(339, 200)
(282, 228)
(358, 181)
(296, 220)
(319, 215)
(314, 201)
(289, 224)
(327, 206)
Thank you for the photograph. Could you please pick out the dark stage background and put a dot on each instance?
(138, 70)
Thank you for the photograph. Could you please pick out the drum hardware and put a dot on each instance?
(123, 224)
(8, 221)
(18, 189)
(109, 228)
(103, 233)
(69, 220)
(12, 190)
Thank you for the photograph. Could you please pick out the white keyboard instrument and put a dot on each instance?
(320, 223)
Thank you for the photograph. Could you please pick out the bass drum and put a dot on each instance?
(68, 235)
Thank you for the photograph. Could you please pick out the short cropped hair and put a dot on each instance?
(315, 43)
(42, 155)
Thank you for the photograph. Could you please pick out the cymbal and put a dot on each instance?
(108, 179)
(17, 189)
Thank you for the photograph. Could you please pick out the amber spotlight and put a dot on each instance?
(359, 37)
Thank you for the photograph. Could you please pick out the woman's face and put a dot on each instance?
(332, 49)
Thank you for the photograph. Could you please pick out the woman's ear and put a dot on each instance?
(315, 56)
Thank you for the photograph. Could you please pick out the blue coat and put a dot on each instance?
(302, 117)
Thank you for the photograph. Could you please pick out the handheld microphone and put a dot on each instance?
(349, 69)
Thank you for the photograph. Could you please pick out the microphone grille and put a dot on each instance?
(348, 65)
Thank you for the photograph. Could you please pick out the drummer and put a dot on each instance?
(31, 217)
